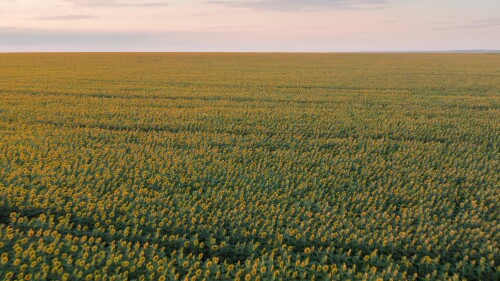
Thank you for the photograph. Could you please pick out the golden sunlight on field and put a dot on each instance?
(249, 166)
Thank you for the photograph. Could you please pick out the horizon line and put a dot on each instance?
(266, 52)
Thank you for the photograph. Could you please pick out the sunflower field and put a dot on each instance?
(214, 166)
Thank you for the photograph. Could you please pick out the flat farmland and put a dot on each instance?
(206, 166)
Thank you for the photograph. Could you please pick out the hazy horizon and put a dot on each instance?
(273, 52)
(249, 26)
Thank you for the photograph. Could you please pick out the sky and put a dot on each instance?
(248, 25)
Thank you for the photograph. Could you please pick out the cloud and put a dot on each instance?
(287, 5)
(18, 39)
(474, 24)
(118, 3)
(481, 23)
(26, 36)
(233, 28)
(67, 17)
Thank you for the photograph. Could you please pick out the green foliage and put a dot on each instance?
(249, 166)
